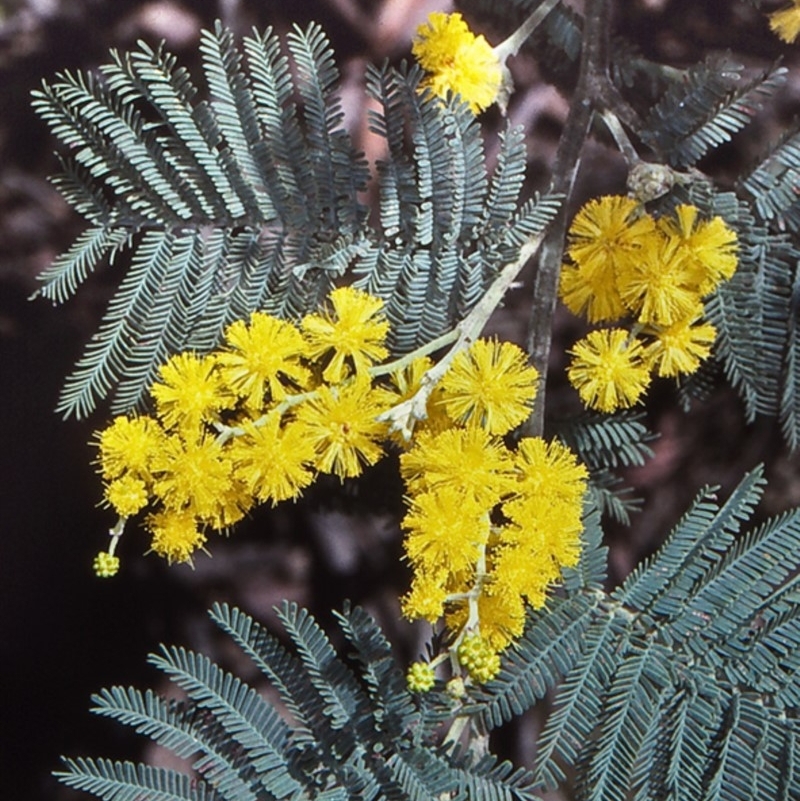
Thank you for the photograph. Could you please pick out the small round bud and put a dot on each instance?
(478, 659)
(420, 677)
(648, 181)
(105, 565)
(455, 688)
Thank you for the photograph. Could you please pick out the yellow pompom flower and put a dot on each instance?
(680, 348)
(262, 356)
(786, 22)
(420, 677)
(175, 535)
(591, 291)
(490, 385)
(446, 530)
(426, 598)
(273, 460)
(457, 61)
(351, 334)
(188, 392)
(607, 233)
(547, 504)
(659, 287)
(196, 475)
(128, 446)
(469, 460)
(340, 424)
(105, 565)
(127, 495)
(609, 371)
(708, 247)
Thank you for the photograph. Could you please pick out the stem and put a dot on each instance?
(404, 416)
(593, 71)
(511, 45)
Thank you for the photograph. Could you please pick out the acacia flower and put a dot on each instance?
(490, 385)
(263, 356)
(351, 334)
(446, 530)
(786, 22)
(128, 446)
(547, 504)
(198, 475)
(457, 61)
(660, 288)
(591, 291)
(188, 391)
(426, 598)
(708, 246)
(609, 371)
(273, 460)
(681, 347)
(607, 233)
(127, 495)
(467, 459)
(176, 535)
(340, 424)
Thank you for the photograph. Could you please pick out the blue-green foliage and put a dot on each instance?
(683, 682)
(252, 198)
(344, 735)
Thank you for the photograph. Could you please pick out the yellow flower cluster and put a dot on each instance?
(254, 422)
(488, 528)
(623, 263)
(785, 22)
(457, 61)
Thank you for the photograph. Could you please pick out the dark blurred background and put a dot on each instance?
(64, 633)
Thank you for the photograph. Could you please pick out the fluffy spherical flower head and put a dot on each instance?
(660, 288)
(128, 446)
(273, 460)
(427, 596)
(176, 535)
(189, 392)
(550, 470)
(591, 292)
(351, 333)
(445, 530)
(341, 424)
(523, 572)
(709, 247)
(467, 459)
(608, 232)
(420, 677)
(194, 474)
(105, 565)
(127, 495)
(609, 371)
(786, 22)
(491, 385)
(457, 61)
(261, 357)
(680, 348)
